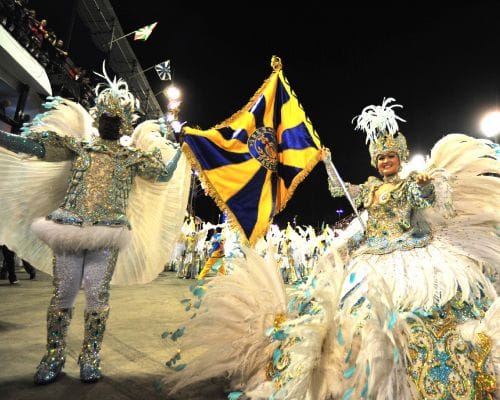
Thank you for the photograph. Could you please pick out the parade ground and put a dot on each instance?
(133, 352)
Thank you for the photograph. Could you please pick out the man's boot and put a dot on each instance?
(90, 360)
(50, 366)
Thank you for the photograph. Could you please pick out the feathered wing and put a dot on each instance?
(31, 188)
(307, 354)
(228, 334)
(247, 330)
(156, 213)
(467, 175)
(467, 179)
(65, 118)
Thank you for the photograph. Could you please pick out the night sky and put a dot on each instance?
(442, 65)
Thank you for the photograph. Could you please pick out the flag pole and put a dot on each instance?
(147, 69)
(121, 37)
(333, 174)
(110, 44)
(144, 70)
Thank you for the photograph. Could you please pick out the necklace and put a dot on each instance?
(392, 179)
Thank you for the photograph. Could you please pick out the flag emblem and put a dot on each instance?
(263, 146)
(144, 32)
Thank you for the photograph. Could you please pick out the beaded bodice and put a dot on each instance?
(389, 212)
(102, 172)
(391, 207)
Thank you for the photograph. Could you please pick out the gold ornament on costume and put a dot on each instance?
(381, 128)
(279, 319)
(114, 99)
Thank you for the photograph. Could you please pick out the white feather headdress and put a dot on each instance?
(377, 121)
(380, 123)
(114, 98)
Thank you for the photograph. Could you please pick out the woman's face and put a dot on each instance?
(388, 163)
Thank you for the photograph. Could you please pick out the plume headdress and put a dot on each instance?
(380, 123)
(114, 98)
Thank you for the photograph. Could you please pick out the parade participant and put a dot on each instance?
(178, 253)
(232, 248)
(408, 312)
(109, 209)
(215, 258)
(188, 259)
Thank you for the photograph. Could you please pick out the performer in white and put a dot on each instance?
(409, 309)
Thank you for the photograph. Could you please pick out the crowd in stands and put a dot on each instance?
(36, 36)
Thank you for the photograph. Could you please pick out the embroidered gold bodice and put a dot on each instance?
(390, 210)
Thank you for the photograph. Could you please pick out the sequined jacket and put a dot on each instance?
(102, 172)
(391, 223)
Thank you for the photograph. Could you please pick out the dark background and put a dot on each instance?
(441, 64)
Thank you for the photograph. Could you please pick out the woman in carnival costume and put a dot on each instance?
(92, 208)
(406, 309)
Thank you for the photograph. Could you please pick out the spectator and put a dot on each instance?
(51, 38)
(4, 104)
(30, 270)
(9, 266)
(60, 54)
(39, 31)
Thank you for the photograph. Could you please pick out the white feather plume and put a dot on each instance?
(228, 333)
(117, 88)
(375, 120)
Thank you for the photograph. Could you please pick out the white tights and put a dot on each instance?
(91, 269)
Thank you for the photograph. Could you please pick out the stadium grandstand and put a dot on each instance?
(36, 62)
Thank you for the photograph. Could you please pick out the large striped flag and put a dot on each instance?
(252, 162)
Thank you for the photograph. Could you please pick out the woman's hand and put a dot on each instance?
(423, 179)
(325, 153)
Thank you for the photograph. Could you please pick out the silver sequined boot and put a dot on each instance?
(90, 359)
(50, 366)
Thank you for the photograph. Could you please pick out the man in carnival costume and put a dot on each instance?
(408, 311)
(117, 199)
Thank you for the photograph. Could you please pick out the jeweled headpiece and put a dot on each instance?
(114, 99)
(381, 128)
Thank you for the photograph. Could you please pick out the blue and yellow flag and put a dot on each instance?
(251, 163)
